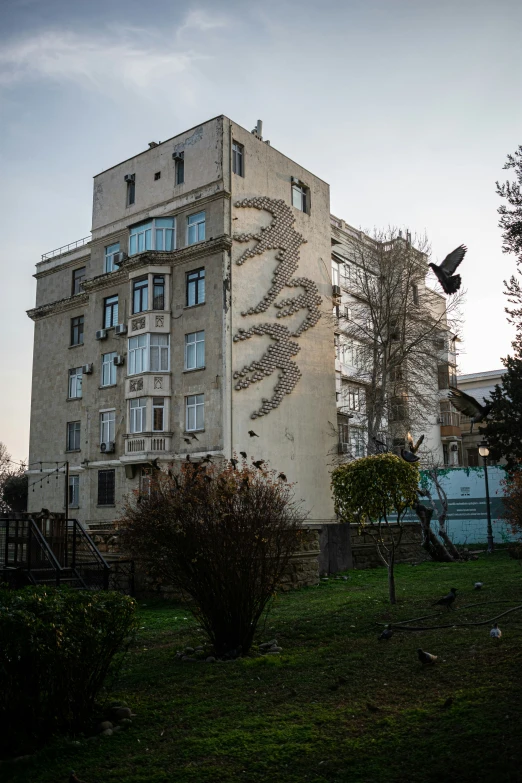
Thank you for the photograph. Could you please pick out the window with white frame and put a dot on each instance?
(357, 441)
(158, 414)
(107, 426)
(140, 295)
(352, 398)
(74, 491)
(335, 273)
(148, 352)
(157, 234)
(138, 415)
(194, 412)
(73, 436)
(195, 228)
(108, 369)
(345, 275)
(301, 197)
(194, 350)
(110, 252)
(238, 152)
(75, 382)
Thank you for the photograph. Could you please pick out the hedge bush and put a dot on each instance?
(56, 648)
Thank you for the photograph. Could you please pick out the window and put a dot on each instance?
(108, 369)
(158, 292)
(195, 228)
(180, 171)
(73, 436)
(194, 350)
(77, 330)
(157, 175)
(158, 234)
(194, 418)
(158, 414)
(352, 397)
(165, 234)
(159, 352)
(138, 415)
(357, 442)
(148, 352)
(78, 276)
(110, 252)
(415, 293)
(75, 382)
(107, 426)
(335, 273)
(74, 491)
(140, 295)
(443, 376)
(237, 158)
(106, 481)
(195, 287)
(110, 311)
(138, 354)
(344, 430)
(300, 197)
(345, 275)
(131, 190)
(348, 313)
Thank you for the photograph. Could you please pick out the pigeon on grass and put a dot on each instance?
(387, 633)
(447, 600)
(426, 658)
(495, 632)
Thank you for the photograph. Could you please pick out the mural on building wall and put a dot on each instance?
(279, 235)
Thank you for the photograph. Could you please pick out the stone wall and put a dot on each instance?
(364, 553)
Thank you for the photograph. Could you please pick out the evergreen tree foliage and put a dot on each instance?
(504, 428)
(511, 224)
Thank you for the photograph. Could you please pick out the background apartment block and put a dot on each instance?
(189, 318)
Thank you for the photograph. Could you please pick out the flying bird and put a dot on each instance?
(187, 440)
(194, 437)
(448, 599)
(382, 447)
(281, 476)
(409, 456)
(426, 658)
(387, 633)
(469, 406)
(449, 281)
(495, 632)
(253, 434)
(414, 447)
(208, 458)
(243, 454)
(258, 463)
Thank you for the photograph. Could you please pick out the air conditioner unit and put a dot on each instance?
(119, 361)
(120, 329)
(101, 334)
(336, 290)
(118, 258)
(344, 448)
(130, 177)
(294, 180)
(108, 447)
(87, 369)
(178, 155)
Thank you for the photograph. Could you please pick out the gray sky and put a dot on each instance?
(406, 107)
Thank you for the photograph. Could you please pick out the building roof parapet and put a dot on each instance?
(62, 251)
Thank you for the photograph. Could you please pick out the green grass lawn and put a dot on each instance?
(337, 705)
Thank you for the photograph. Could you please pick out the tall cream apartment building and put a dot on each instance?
(199, 310)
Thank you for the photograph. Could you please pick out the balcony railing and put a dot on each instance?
(450, 419)
(66, 248)
(157, 443)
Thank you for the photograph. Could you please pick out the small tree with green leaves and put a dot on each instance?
(370, 490)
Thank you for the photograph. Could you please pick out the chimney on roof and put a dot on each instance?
(258, 130)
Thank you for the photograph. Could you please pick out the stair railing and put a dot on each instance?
(86, 560)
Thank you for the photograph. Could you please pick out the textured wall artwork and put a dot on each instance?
(280, 235)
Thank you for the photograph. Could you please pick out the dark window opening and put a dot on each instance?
(106, 483)
(180, 172)
(77, 330)
(195, 287)
(158, 292)
(140, 295)
(131, 191)
(78, 276)
(73, 436)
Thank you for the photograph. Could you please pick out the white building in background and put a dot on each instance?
(478, 385)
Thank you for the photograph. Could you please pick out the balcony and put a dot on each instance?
(147, 444)
(60, 251)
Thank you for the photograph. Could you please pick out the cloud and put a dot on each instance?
(133, 59)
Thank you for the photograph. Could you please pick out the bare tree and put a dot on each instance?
(13, 483)
(395, 330)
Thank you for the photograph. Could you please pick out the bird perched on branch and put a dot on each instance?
(409, 456)
(258, 463)
(281, 476)
(243, 454)
(188, 457)
(449, 281)
(448, 599)
(469, 406)
(387, 633)
(253, 434)
(414, 447)
(233, 462)
(495, 632)
(426, 658)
